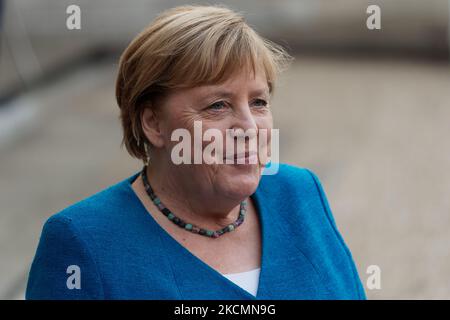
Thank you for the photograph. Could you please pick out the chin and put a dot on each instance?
(240, 181)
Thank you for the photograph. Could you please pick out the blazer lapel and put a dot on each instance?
(286, 272)
(196, 280)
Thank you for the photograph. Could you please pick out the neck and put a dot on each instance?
(200, 206)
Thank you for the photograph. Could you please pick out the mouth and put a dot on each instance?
(249, 157)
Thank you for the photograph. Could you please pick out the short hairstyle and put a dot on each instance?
(184, 47)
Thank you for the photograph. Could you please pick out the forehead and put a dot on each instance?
(240, 83)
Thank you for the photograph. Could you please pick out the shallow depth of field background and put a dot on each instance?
(367, 111)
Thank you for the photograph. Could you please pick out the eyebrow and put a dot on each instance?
(228, 94)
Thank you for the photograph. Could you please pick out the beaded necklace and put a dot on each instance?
(188, 226)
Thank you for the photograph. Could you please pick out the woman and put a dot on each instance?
(214, 230)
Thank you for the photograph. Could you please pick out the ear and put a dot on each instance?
(151, 125)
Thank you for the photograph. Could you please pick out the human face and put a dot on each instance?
(241, 102)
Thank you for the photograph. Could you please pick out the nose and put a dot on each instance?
(244, 124)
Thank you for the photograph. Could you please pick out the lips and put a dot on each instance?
(250, 157)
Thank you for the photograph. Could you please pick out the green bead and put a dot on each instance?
(188, 226)
(230, 227)
(170, 216)
(156, 201)
(209, 233)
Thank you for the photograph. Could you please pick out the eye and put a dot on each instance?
(260, 103)
(216, 106)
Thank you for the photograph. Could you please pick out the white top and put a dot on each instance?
(247, 280)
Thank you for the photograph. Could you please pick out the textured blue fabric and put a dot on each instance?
(123, 253)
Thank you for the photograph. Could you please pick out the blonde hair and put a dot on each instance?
(184, 47)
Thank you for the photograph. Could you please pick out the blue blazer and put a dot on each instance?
(123, 253)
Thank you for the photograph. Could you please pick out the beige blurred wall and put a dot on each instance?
(35, 38)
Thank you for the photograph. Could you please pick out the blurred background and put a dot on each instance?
(367, 110)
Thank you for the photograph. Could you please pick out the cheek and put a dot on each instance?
(219, 129)
(177, 120)
(265, 126)
(197, 136)
(267, 120)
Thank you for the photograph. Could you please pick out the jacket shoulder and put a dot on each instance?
(289, 178)
(300, 198)
(98, 206)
